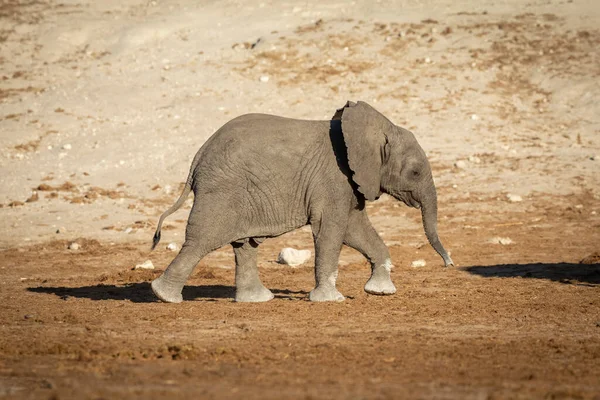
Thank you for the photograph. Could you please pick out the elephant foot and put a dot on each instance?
(379, 286)
(256, 294)
(325, 293)
(380, 282)
(165, 292)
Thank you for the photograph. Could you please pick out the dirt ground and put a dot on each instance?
(104, 104)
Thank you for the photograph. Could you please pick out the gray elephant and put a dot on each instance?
(260, 176)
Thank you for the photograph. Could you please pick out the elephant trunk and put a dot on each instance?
(429, 216)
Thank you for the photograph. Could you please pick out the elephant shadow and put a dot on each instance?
(142, 293)
(567, 273)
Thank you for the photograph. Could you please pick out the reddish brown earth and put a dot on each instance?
(514, 321)
(103, 105)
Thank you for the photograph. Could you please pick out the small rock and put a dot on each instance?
(145, 265)
(594, 157)
(418, 263)
(128, 229)
(62, 229)
(264, 79)
(293, 257)
(74, 246)
(514, 198)
(475, 159)
(501, 240)
(579, 206)
(67, 146)
(172, 246)
(460, 164)
(427, 60)
(474, 117)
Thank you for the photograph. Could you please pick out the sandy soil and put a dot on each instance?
(104, 104)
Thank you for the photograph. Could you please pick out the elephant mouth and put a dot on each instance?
(413, 203)
(407, 198)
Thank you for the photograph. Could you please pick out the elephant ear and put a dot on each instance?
(365, 132)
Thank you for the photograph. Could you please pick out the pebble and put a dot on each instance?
(594, 157)
(474, 117)
(418, 263)
(460, 164)
(514, 198)
(264, 79)
(67, 146)
(475, 159)
(172, 246)
(74, 246)
(501, 240)
(145, 265)
(293, 257)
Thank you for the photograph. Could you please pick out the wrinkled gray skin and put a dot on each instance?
(260, 176)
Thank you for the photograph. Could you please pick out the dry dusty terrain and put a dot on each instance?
(104, 104)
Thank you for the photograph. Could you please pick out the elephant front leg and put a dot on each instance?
(328, 244)
(362, 237)
(248, 287)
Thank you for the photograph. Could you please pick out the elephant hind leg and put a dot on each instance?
(169, 285)
(211, 224)
(248, 287)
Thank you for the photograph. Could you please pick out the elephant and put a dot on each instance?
(260, 176)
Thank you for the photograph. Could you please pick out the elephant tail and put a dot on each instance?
(186, 191)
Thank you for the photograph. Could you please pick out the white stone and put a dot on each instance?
(514, 198)
(264, 79)
(474, 117)
(128, 229)
(418, 263)
(67, 146)
(501, 240)
(145, 265)
(74, 246)
(172, 246)
(293, 257)
(475, 159)
(460, 164)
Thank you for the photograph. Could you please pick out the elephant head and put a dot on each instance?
(386, 158)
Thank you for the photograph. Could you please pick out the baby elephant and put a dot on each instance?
(260, 176)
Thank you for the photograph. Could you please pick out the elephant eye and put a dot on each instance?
(415, 173)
